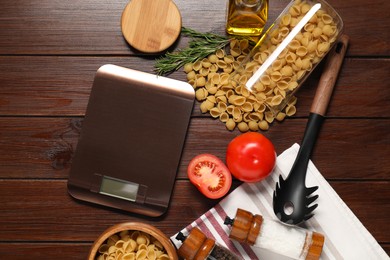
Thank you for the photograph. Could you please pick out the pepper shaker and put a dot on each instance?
(290, 241)
(196, 246)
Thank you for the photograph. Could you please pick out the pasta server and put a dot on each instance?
(292, 200)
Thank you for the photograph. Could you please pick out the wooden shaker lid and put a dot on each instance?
(191, 245)
(246, 227)
(316, 246)
(205, 250)
(151, 26)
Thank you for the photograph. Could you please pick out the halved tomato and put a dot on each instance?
(210, 175)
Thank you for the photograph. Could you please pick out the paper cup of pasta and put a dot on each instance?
(287, 53)
(132, 240)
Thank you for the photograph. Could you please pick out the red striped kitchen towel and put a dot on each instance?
(345, 236)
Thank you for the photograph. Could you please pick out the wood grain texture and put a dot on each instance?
(43, 147)
(50, 85)
(61, 218)
(50, 51)
(93, 27)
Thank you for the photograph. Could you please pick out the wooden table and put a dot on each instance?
(49, 53)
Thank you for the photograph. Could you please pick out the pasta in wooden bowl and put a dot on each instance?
(132, 240)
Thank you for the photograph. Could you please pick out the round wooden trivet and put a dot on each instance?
(151, 26)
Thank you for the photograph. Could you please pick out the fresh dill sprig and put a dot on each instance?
(200, 46)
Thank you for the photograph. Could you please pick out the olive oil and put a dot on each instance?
(246, 17)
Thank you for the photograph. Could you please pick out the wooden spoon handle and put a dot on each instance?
(329, 76)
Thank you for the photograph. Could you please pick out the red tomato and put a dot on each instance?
(210, 175)
(250, 157)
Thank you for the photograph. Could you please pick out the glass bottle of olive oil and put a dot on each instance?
(246, 17)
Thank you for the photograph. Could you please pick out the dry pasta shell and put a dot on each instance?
(228, 59)
(187, 67)
(201, 94)
(225, 78)
(309, 27)
(263, 125)
(277, 65)
(221, 64)
(213, 68)
(213, 58)
(259, 107)
(256, 116)
(247, 107)
(301, 51)
(290, 110)
(294, 44)
(215, 112)
(305, 8)
(221, 106)
(220, 53)
(282, 84)
(216, 79)
(204, 71)
(286, 71)
(212, 90)
(276, 76)
(222, 99)
(197, 65)
(230, 109)
(229, 68)
(253, 126)
(269, 117)
(327, 19)
(237, 115)
(229, 93)
(191, 75)
(312, 45)
(243, 127)
(200, 81)
(230, 124)
(317, 32)
(323, 47)
(224, 117)
(294, 11)
(286, 19)
(244, 44)
(211, 99)
(206, 63)
(265, 80)
(291, 56)
(236, 100)
(280, 116)
(234, 43)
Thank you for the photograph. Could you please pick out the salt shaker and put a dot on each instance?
(290, 241)
(196, 246)
(246, 17)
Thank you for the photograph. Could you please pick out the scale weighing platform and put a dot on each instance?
(131, 140)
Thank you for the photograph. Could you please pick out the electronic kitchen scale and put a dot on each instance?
(131, 141)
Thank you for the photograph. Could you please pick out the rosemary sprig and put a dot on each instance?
(200, 46)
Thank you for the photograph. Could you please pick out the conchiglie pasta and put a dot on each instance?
(131, 245)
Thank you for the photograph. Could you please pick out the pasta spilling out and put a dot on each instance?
(132, 245)
(220, 80)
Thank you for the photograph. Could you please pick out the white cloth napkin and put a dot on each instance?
(345, 236)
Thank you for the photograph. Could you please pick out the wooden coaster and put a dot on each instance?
(151, 26)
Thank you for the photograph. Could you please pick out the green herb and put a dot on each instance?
(200, 46)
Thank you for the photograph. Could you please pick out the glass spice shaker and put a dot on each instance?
(246, 17)
(196, 246)
(290, 241)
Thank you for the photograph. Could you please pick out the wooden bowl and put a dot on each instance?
(134, 226)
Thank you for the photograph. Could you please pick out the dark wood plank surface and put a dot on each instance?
(49, 53)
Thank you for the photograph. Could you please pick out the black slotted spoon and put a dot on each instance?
(292, 199)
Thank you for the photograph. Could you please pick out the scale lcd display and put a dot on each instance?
(119, 188)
